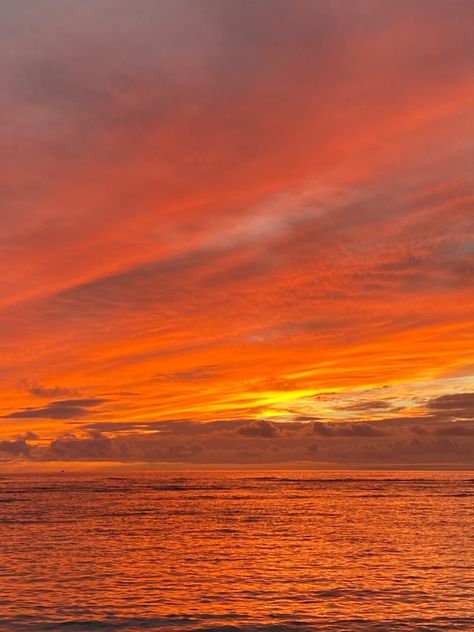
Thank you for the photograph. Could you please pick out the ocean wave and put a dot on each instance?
(190, 624)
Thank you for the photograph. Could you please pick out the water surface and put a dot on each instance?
(238, 552)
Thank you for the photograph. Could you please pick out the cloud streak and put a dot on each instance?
(60, 409)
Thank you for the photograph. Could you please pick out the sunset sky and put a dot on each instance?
(237, 233)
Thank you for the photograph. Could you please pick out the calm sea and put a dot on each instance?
(235, 552)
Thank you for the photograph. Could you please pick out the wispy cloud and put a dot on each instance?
(60, 409)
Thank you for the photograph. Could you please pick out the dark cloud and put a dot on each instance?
(119, 426)
(30, 436)
(405, 441)
(196, 374)
(347, 429)
(261, 428)
(132, 447)
(37, 390)
(60, 409)
(90, 448)
(456, 405)
(367, 406)
(385, 443)
(15, 448)
(303, 418)
(460, 429)
(182, 427)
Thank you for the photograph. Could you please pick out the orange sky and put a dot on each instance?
(256, 214)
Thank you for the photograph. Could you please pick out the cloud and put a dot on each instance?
(367, 406)
(37, 390)
(385, 443)
(347, 429)
(260, 428)
(456, 405)
(196, 374)
(90, 448)
(132, 447)
(15, 448)
(461, 429)
(119, 426)
(30, 436)
(60, 409)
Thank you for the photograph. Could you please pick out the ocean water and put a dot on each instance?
(238, 552)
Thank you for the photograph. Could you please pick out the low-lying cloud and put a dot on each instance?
(405, 441)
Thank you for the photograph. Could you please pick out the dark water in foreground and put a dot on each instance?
(267, 552)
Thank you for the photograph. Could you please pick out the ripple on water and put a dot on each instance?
(242, 552)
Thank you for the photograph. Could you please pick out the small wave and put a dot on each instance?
(210, 623)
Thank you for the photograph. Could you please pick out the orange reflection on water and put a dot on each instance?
(180, 551)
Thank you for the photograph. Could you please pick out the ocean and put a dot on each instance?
(238, 551)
